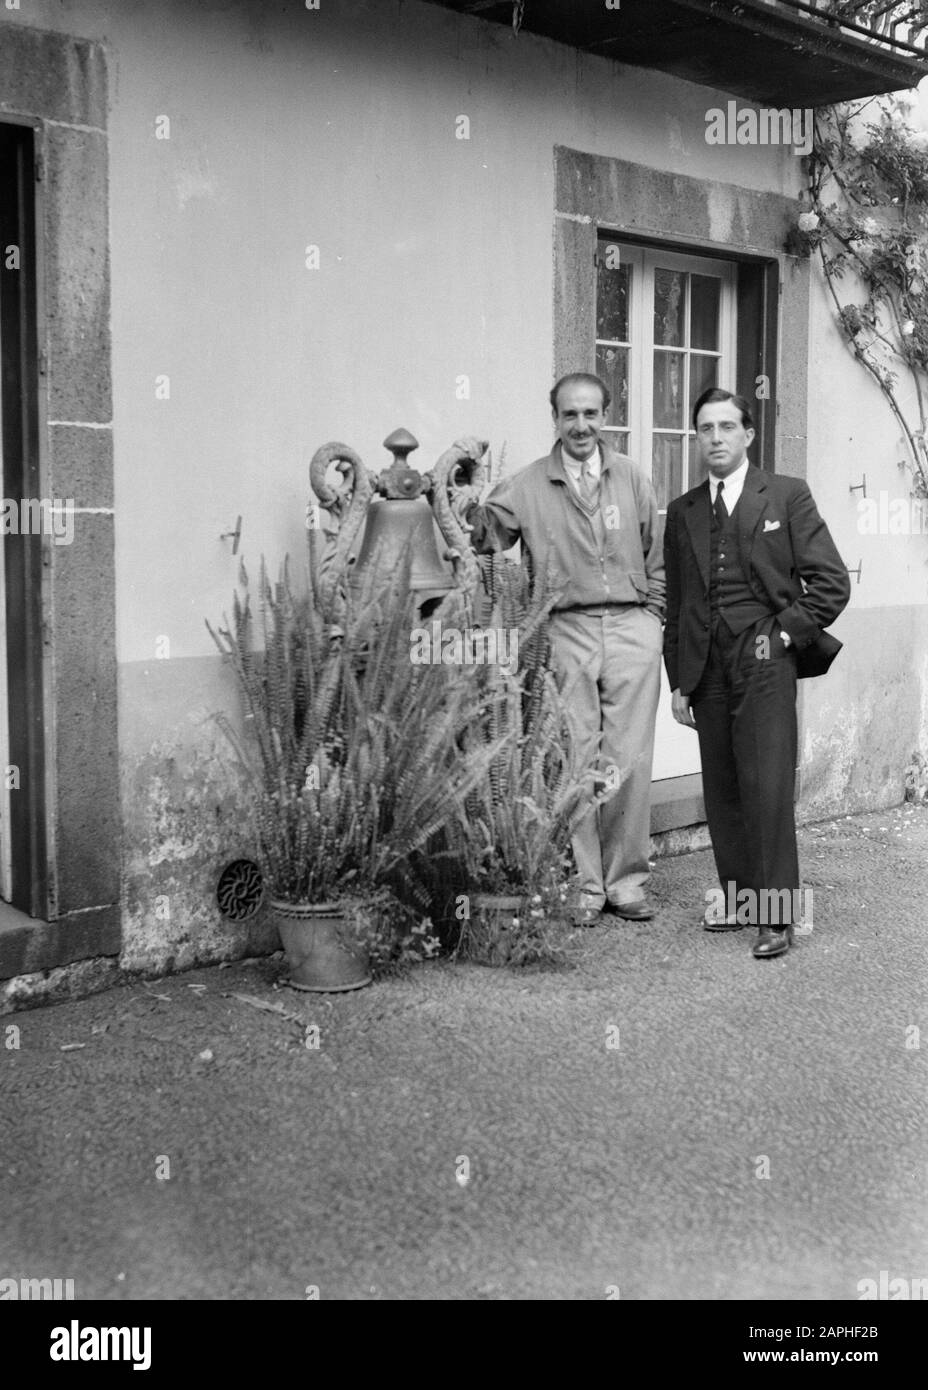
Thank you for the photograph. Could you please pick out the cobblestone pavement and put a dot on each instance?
(592, 1168)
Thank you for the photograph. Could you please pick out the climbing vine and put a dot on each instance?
(866, 218)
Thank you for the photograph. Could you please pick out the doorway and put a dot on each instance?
(24, 516)
(665, 331)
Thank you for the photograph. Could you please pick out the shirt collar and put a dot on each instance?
(575, 466)
(733, 483)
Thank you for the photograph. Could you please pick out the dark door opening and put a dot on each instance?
(23, 847)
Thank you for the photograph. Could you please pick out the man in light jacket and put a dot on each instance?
(588, 517)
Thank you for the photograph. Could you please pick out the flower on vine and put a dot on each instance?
(851, 318)
(808, 221)
(908, 328)
(869, 226)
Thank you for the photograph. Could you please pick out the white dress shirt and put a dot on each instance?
(733, 485)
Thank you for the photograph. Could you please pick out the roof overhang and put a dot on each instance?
(783, 53)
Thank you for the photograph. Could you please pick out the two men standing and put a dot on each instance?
(752, 579)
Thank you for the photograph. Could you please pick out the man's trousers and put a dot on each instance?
(609, 669)
(745, 712)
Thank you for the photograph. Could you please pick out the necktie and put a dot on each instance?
(589, 487)
(718, 506)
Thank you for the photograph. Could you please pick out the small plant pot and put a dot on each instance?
(486, 936)
(313, 941)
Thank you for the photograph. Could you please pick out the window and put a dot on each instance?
(665, 331)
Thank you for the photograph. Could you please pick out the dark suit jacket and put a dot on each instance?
(790, 559)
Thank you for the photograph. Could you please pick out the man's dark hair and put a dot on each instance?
(577, 379)
(715, 393)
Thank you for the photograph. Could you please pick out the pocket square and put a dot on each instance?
(771, 526)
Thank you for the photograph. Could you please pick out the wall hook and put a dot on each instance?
(237, 533)
(860, 565)
(860, 487)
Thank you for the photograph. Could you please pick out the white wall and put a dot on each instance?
(334, 127)
(337, 127)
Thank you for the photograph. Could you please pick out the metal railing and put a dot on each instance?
(900, 26)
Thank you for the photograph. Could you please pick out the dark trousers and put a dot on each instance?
(745, 711)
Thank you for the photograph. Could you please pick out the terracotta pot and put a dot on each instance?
(312, 939)
(486, 932)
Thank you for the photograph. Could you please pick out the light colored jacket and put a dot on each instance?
(620, 562)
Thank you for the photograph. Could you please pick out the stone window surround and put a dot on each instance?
(685, 213)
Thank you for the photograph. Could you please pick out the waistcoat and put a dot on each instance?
(730, 594)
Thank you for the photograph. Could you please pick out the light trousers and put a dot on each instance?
(609, 670)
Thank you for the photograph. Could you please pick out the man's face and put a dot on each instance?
(721, 439)
(579, 419)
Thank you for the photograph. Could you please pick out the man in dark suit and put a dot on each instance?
(753, 577)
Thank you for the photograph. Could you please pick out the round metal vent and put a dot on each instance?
(240, 890)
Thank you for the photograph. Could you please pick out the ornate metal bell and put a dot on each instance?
(401, 521)
(402, 514)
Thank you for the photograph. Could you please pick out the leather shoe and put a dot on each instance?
(638, 911)
(772, 941)
(711, 921)
(586, 917)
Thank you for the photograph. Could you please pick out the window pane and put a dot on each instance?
(618, 440)
(669, 400)
(704, 372)
(612, 367)
(667, 470)
(699, 471)
(669, 286)
(704, 312)
(612, 286)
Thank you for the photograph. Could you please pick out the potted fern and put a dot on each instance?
(513, 833)
(352, 754)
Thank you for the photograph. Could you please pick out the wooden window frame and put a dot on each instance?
(645, 260)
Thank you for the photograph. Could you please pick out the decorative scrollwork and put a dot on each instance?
(349, 507)
(458, 479)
